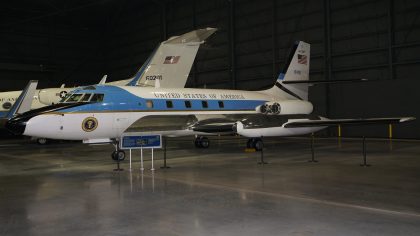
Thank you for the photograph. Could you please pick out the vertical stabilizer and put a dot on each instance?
(295, 70)
(171, 62)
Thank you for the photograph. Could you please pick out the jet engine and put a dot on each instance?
(268, 126)
(287, 107)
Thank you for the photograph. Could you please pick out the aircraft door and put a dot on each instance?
(121, 123)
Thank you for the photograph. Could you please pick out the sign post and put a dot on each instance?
(139, 141)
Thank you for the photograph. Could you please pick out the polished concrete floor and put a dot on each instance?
(71, 189)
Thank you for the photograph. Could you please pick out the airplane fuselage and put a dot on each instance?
(122, 106)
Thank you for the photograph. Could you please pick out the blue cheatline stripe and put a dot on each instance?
(138, 75)
(161, 105)
(118, 99)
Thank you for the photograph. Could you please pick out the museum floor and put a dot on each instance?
(71, 189)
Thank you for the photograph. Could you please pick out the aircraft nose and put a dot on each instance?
(17, 127)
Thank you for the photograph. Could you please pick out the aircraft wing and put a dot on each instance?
(332, 122)
(178, 125)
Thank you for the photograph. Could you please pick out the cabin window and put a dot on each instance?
(221, 104)
(149, 104)
(169, 104)
(188, 104)
(204, 104)
(97, 97)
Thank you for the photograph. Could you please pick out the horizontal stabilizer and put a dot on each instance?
(196, 36)
(332, 122)
(314, 82)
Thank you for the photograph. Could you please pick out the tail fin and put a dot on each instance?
(24, 101)
(171, 62)
(296, 69)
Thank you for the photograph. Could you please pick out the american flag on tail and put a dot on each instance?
(171, 59)
(302, 59)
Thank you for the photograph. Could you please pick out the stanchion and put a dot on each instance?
(390, 136)
(164, 155)
(153, 168)
(130, 159)
(313, 149)
(141, 159)
(262, 162)
(364, 153)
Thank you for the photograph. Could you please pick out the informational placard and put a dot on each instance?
(133, 141)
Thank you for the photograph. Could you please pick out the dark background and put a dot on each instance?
(76, 42)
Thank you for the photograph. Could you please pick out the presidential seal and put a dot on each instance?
(89, 124)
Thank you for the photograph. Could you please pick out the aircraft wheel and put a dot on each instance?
(197, 143)
(42, 141)
(249, 143)
(202, 142)
(118, 155)
(258, 144)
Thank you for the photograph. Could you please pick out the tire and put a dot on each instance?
(121, 155)
(114, 156)
(258, 144)
(197, 143)
(201, 142)
(118, 155)
(249, 143)
(42, 141)
(204, 142)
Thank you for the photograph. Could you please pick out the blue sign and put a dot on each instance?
(141, 141)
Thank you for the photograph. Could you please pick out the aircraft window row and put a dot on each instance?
(188, 104)
(83, 97)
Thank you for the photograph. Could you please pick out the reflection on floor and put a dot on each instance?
(70, 189)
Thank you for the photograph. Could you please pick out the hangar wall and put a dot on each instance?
(377, 40)
(373, 39)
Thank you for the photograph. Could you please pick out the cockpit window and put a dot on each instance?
(86, 97)
(83, 97)
(65, 97)
(97, 97)
(74, 98)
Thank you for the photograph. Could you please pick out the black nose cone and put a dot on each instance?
(17, 127)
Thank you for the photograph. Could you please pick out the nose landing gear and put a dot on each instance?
(118, 155)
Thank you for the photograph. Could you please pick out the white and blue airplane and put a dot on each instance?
(102, 113)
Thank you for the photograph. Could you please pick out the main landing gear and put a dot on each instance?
(202, 142)
(255, 143)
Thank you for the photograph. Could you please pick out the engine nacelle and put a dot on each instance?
(287, 107)
(270, 126)
(51, 96)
